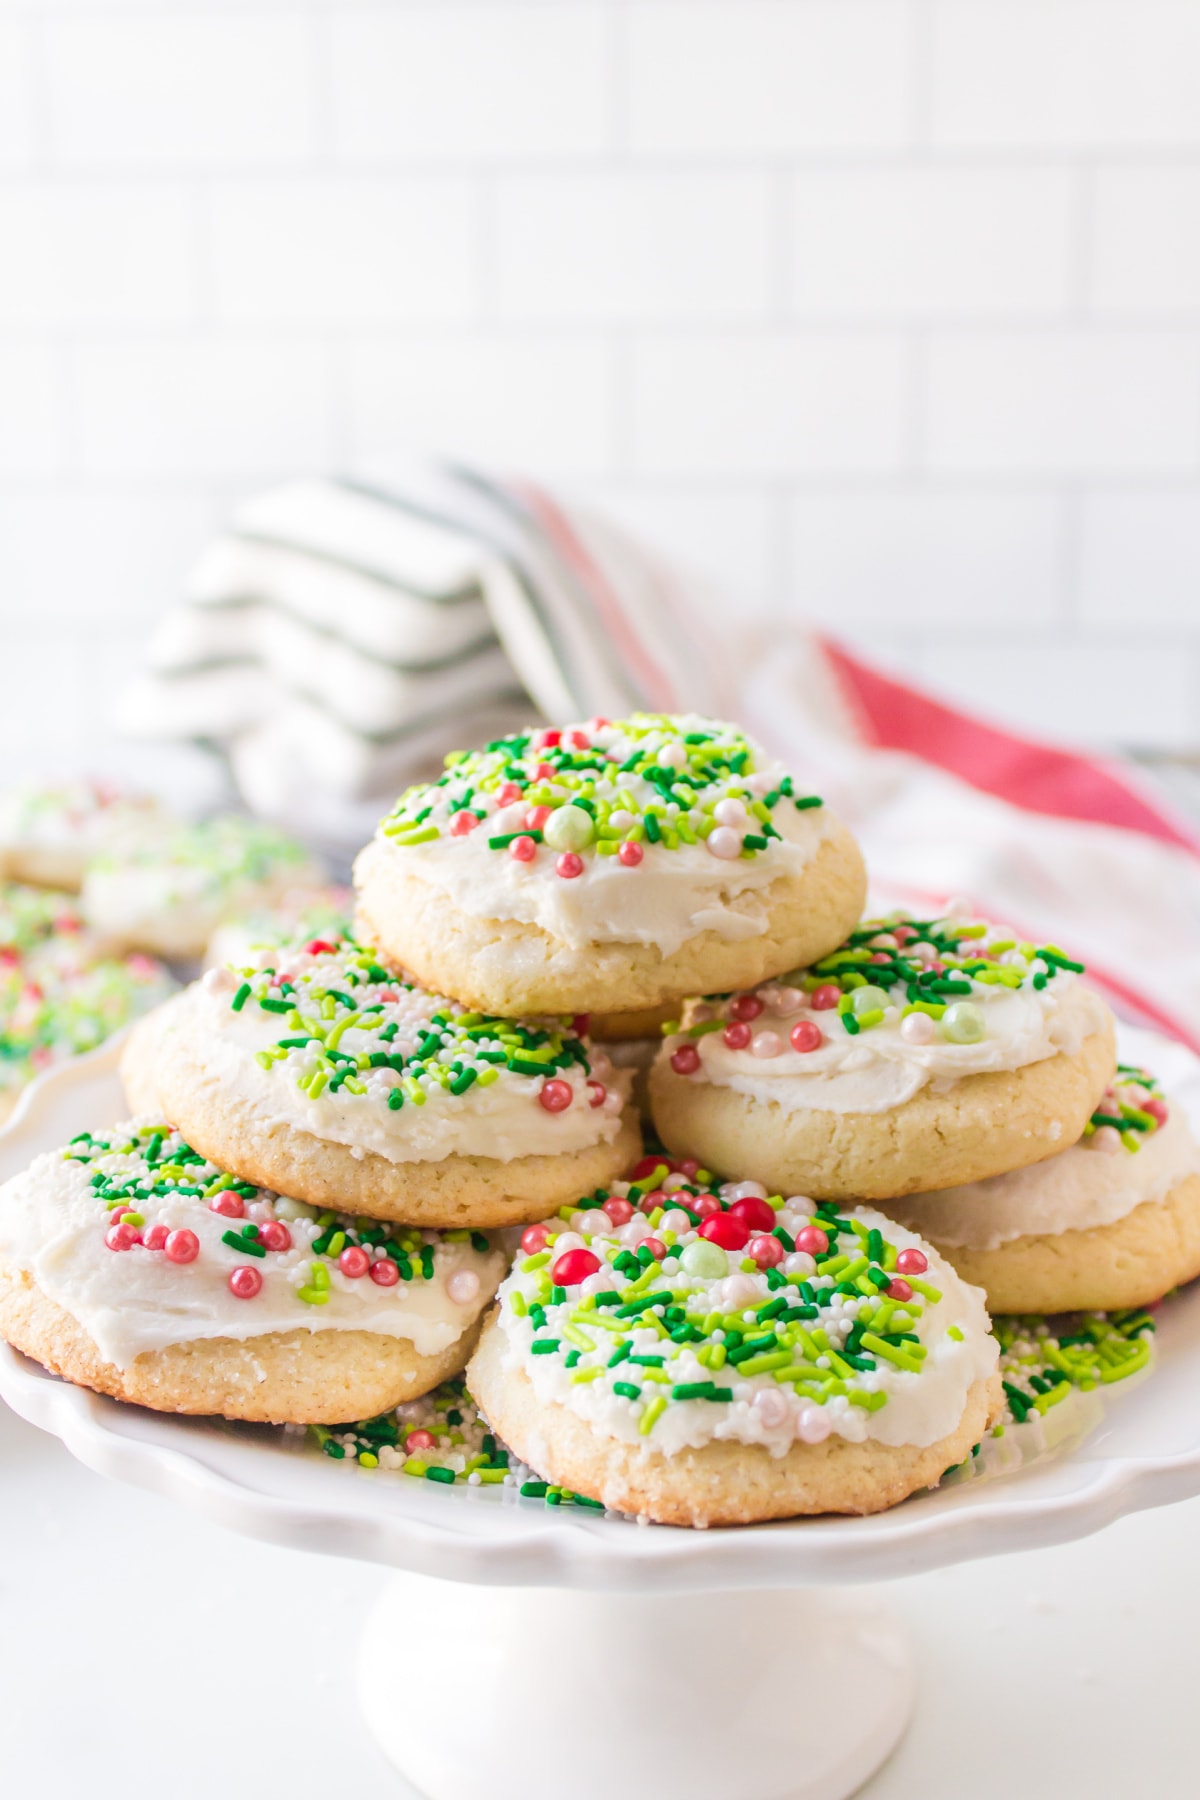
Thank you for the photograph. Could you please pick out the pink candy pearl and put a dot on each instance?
(121, 1237)
(619, 1212)
(806, 1036)
(182, 1247)
(419, 1440)
(154, 1237)
(463, 1287)
(788, 1000)
(812, 1426)
(462, 823)
(812, 1240)
(556, 1096)
(597, 1093)
(230, 1206)
(898, 1290)
(569, 865)
(706, 1206)
(384, 1272)
(766, 1251)
(533, 1238)
(766, 1043)
(685, 1060)
(822, 999)
(724, 843)
(275, 1235)
(354, 1261)
(1106, 1138)
(522, 849)
(746, 1006)
(1156, 1108)
(912, 1262)
(736, 1036)
(245, 1283)
(536, 817)
(630, 854)
(508, 793)
(771, 1407)
(918, 1028)
(656, 1247)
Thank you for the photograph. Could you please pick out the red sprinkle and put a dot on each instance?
(618, 1211)
(746, 1006)
(354, 1261)
(533, 1239)
(319, 947)
(630, 854)
(806, 1035)
(275, 1235)
(522, 849)
(912, 1262)
(155, 1237)
(812, 1240)
(736, 1036)
(121, 1237)
(419, 1440)
(766, 1251)
(574, 1266)
(597, 1093)
(228, 1204)
(245, 1282)
(824, 998)
(569, 865)
(551, 739)
(462, 823)
(754, 1213)
(182, 1247)
(898, 1290)
(646, 1165)
(385, 1273)
(685, 1060)
(556, 1096)
(725, 1230)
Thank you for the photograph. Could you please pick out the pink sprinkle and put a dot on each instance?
(597, 1093)
(228, 1204)
(121, 1237)
(522, 849)
(182, 1247)
(462, 823)
(745, 1006)
(245, 1282)
(533, 1238)
(912, 1262)
(155, 1237)
(385, 1273)
(736, 1036)
(569, 865)
(354, 1261)
(898, 1290)
(812, 1240)
(881, 956)
(619, 1211)
(766, 1251)
(824, 998)
(806, 1035)
(556, 1096)
(685, 1060)
(630, 854)
(274, 1235)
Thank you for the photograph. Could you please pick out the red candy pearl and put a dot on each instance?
(912, 1262)
(685, 1060)
(462, 823)
(319, 947)
(649, 1201)
(533, 1239)
(508, 793)
(898, 1290)
(806, 1036)
(690, 1168)
(385, 1273)
(812, 1240)
(766, 1251)
(706, 1207)
(574, 1266)
(354, 1261)
(569, 865)
(275, 1236)
(655, 1246)
(155, 1237)
(619, 1211)
(419, 1440)
(825, 997)
(551, 738)
(182, 1247)
(746, 1006)
(522, 849)
(736, 1036)
(754, 1213)
(646, 1166)
(121, 1237)
(230, 1206)
(597, 1093)
(245, 1283)
(725, 1230)
(630, 854)
(556, 1096)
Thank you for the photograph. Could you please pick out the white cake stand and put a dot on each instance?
(518, 1645)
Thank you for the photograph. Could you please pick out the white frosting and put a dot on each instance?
(919, 1410)
(879, 1069)
(52, 1227)
(1076, 1191)
(503, 1121)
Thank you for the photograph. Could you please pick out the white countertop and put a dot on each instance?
(146, 1652)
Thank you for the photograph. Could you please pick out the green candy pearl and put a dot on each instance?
(569, 828)
(704, 1259)
(868, 999)
(964, 1023)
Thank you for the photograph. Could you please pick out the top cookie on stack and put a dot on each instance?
(612, 867)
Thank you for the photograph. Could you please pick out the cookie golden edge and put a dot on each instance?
(296, 1377)
(984, 1125)
(456, 1192)
(510, 969)
(721, 1483)
(1131, 1262)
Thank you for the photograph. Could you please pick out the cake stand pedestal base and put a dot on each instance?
(772, 1695)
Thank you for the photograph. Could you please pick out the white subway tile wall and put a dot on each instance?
(883, 314)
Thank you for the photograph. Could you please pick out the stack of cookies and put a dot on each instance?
(306, 1218)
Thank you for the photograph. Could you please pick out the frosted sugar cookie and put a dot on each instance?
(709, 1356)
(607, 868)
(169, 895)
(1112, 1222)
(130, 1264)
(922, 1054)
(321, 1074)
(49, 835)
(298, 916)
